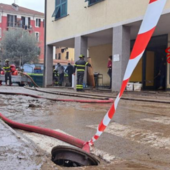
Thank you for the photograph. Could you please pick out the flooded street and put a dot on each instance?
(138, 137)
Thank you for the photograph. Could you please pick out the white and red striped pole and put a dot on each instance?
(147, 28)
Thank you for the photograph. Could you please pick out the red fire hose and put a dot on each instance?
(48, 132)
(63, 100)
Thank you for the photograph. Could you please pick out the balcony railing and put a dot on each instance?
(18, 25)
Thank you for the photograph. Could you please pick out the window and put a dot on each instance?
(38, 22)
(56, 56)
(37, 36)
(11, 20)
(67, 55)
(60, 9)
(91, 2)
(59, 56)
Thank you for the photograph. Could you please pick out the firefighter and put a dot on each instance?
(55, 76)
(7, 70)
(80, 66)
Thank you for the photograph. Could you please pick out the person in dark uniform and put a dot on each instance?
(80, 66)
(162, 74)
(7, 70)
(55, 76)
(109, 65)
(69, 70)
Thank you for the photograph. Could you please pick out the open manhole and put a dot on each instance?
(72, 157)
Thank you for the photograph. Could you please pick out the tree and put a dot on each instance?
(20, 46)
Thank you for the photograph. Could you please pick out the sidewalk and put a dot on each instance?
(18, 153)
(146, 96)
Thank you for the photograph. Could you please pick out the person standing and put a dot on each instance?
(80, 66)
(55, 77)
(69, 70)
(7, 70)
(60, 70)
(109, 65)
(162, 74)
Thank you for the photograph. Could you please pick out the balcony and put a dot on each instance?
(18, 25)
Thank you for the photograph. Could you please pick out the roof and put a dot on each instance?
(21, 10)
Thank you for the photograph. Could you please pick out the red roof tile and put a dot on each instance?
(21, 10)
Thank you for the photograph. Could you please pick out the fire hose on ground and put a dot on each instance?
(25, 74)
(63, 100)
(79, 157)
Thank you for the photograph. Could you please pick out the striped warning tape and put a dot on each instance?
(147, 28)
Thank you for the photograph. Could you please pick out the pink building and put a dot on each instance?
(14, 16)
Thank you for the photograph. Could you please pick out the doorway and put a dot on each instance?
(151, 70)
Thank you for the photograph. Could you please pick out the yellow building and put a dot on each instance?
(63, 55)
(108, 27)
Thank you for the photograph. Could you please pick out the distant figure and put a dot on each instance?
(0, 72)
(109, 65)
(70, 71)
(7, 70)
(55, 77)
(60, 71)
(80, 66)
(162, 73)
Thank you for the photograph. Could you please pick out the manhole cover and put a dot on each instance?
(72, 157)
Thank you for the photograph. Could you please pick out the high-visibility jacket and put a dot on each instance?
(7, 68)
(55, 73)
(80, 65)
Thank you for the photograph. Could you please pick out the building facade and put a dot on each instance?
(63, 55)
(104, 28)
(14, 16)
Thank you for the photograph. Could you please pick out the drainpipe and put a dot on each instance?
(45, 28)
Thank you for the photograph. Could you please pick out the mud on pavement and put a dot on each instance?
(123, 147)
(17, 153)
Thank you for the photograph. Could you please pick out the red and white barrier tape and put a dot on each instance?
(147, 28)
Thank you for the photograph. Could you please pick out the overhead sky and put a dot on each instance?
(37, 5)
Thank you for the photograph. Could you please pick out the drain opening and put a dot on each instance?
(72, 157)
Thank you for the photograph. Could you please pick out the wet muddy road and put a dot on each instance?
(137, 138)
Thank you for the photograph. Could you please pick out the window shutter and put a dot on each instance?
(60, 9)
(15, 20)
(55, 12)
(39, 22)
(64, 9)
(29, 22)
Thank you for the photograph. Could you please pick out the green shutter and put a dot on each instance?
(55, 12)
(91, 2)
(60, 9)
(63, 8)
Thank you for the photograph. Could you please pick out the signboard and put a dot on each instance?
(116, 57)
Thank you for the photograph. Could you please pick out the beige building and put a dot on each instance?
(63, 55)
(104, 28)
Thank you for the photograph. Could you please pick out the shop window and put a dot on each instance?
(60, 9)
(92, 2)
